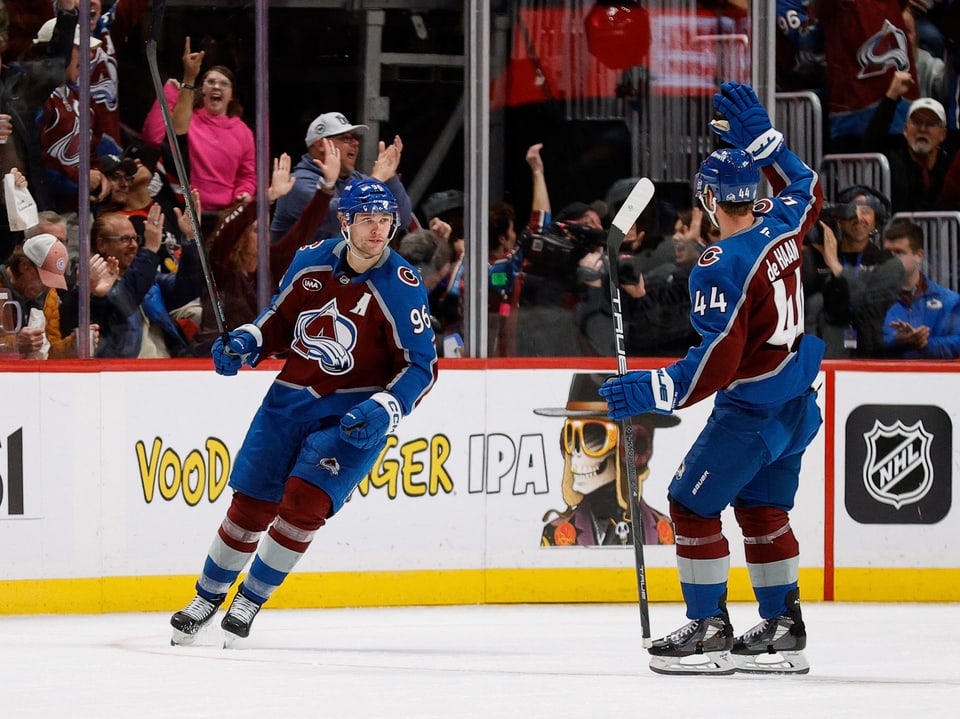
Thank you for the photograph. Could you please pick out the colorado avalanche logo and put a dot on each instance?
(709, 256)
(326, 336)
(408, 277)
(897, 469)
(886, 49)
(330, 464)
(762, 206)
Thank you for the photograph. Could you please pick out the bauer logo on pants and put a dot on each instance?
(898, 464)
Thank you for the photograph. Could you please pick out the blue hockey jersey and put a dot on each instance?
(747, 302)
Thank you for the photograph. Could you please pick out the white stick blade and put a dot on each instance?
(636, 202)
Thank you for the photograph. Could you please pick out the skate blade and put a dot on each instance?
(778, 663)
(230, 640)
(708, 663)
(182, 639)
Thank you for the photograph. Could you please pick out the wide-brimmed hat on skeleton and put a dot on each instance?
(589, 439)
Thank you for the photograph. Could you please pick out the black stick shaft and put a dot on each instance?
(635, 203)
(626, 434)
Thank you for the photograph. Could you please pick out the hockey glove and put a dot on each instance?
(638, 392)
(368, 424)
(242, 349)
(746, 124)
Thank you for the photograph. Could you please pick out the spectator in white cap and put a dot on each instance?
(49, 256)
(32, 269)
(34, 272)
(334, 128)
(918, 159)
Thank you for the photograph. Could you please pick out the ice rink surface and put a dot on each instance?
(579, 661)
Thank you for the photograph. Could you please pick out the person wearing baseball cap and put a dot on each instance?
(918, 160)
(32, 269)
(49, 256)
(47, 32)
(331, 124)
(333, 133)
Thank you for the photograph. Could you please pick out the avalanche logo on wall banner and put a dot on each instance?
(898, 460)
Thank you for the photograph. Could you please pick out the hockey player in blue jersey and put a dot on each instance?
(354, 320)
(747, 305)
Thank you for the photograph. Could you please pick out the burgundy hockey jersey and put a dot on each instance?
(347, 337)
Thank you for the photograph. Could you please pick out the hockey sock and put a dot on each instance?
(773, 556)
(236, 540)
(303, 511)
(703, 560)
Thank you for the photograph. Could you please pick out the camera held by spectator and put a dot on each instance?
(559, 248)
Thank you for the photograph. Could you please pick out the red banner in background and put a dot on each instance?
(689, 54)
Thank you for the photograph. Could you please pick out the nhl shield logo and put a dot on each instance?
(897, 469)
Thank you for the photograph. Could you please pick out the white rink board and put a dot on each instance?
(86, 512)
(911, 535)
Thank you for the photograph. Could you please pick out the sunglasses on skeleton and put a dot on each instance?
(592, 437)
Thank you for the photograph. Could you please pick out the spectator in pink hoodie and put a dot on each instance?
(219, 144)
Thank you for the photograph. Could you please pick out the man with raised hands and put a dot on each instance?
(747, 305)
(353, 319)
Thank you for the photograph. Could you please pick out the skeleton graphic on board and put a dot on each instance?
(594, 483)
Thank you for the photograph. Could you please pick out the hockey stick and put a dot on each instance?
(636, 202)
(181, 170)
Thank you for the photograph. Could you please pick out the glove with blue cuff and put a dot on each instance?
(367, 424)
(242, 348)
(638, 392)
(747, 125)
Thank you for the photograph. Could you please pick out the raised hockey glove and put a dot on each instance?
(242, 349)
(367, 424)
(746, 124)
(637, 393)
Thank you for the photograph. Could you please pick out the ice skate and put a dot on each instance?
(191, 619)
(238, 619)
(775, 645)
(699, 647)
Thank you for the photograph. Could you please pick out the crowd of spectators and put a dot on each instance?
(148, 294)
(887, 75)
(886, 72)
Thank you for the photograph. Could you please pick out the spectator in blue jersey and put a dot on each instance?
(351, 317)
(924, 322)
(800, 59)
(309, 175)
(747, 306)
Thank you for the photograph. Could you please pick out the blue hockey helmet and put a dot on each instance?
(368, 196)
(731, 176)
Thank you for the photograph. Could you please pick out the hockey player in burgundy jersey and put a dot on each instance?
(354, 320)
(747, 305)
